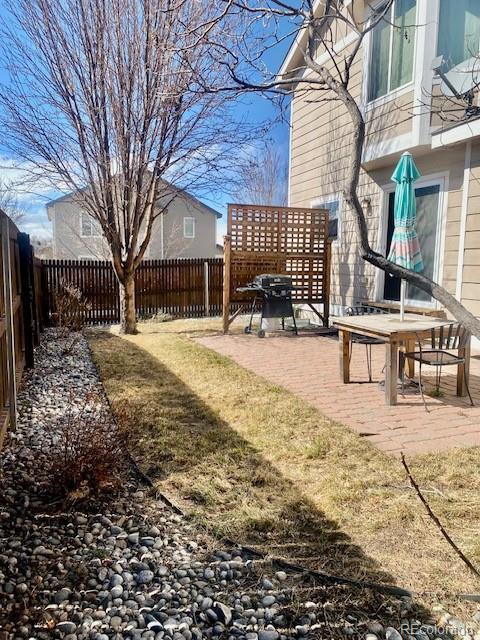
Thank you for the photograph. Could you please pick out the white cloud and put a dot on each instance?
(40, 230)
(37, 224)
(32, 192)
(30, 187)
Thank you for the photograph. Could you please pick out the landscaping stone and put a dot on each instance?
(392, 634)
(128, 566)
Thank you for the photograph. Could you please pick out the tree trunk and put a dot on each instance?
(128, 318)
(460, 313)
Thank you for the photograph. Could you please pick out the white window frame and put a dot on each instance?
(192, 220)
(92, 223)
(399, 91)
(437, 179)
(321, 202)
(86, 257)
(435, 50)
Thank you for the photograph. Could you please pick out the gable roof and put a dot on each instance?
(294, 61)
(181, 192)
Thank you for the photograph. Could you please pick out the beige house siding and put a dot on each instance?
(471, 263)
(319, 159)
(389, 119)
(69, 244)
(204, 245)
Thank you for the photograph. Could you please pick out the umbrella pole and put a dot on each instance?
(403, 285)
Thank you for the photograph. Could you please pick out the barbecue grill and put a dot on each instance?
(273, 293)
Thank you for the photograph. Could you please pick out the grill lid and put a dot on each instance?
(273, 281)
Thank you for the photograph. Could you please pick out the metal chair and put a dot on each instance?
(442, 341)
(357, 338)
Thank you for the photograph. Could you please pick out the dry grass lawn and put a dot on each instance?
(253, 462)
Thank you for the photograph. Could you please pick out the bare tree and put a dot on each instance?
(263, 179)
(104, 98)
(9, 202)
(315, 26)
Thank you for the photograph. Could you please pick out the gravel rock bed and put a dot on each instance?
(130, 566)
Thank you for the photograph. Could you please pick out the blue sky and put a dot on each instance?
(256, 107)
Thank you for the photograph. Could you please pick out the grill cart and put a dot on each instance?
(273, 294)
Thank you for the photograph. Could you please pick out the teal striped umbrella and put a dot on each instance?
(405, 248)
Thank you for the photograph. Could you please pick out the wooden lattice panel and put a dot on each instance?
(285, 240)
(308, 274)
(277, 229)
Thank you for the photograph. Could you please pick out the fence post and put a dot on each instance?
(46, 293)
(26, 284)
(227, 250)
(37, 296)
(7, 285)
(326, 286)
(206, 284)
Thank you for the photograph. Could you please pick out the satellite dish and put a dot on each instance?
(461, 81)
(462, 78)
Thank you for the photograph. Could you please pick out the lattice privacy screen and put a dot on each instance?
(283, 240)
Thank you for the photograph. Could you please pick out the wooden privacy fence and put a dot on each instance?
(188, 288)
(282, 240)
(20, 316)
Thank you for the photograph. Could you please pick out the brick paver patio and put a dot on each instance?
(308, 365)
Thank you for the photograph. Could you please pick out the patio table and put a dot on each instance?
(395, 333)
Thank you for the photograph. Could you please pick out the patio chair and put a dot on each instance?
(442, 341)
(357, 338)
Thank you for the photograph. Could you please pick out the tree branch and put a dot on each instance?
(437, 522)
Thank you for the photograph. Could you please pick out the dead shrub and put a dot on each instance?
(87, 454)
(71, 307)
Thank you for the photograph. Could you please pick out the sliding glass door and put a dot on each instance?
(428, 213)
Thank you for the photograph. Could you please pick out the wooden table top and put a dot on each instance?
(387, 325)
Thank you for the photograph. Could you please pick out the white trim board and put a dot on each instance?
(290, 138)
(319, 202)
(301, 34)
(387, 147)
(457, 134)
(463, 219)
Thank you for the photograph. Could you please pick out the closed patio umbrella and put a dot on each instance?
(405, 248)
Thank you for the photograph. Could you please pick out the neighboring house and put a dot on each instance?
(187, 229)
(400, 96)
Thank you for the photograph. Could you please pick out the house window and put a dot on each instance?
(458, 31)
(90, 228)
(333, 207)
(189, 227)
(392, 48)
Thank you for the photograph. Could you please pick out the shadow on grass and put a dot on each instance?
(221, 479)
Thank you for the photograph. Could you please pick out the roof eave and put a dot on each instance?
(290, 63)
(286, 66)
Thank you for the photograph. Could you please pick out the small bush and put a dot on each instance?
(87, 453)
(71, 307)
(160, 316)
